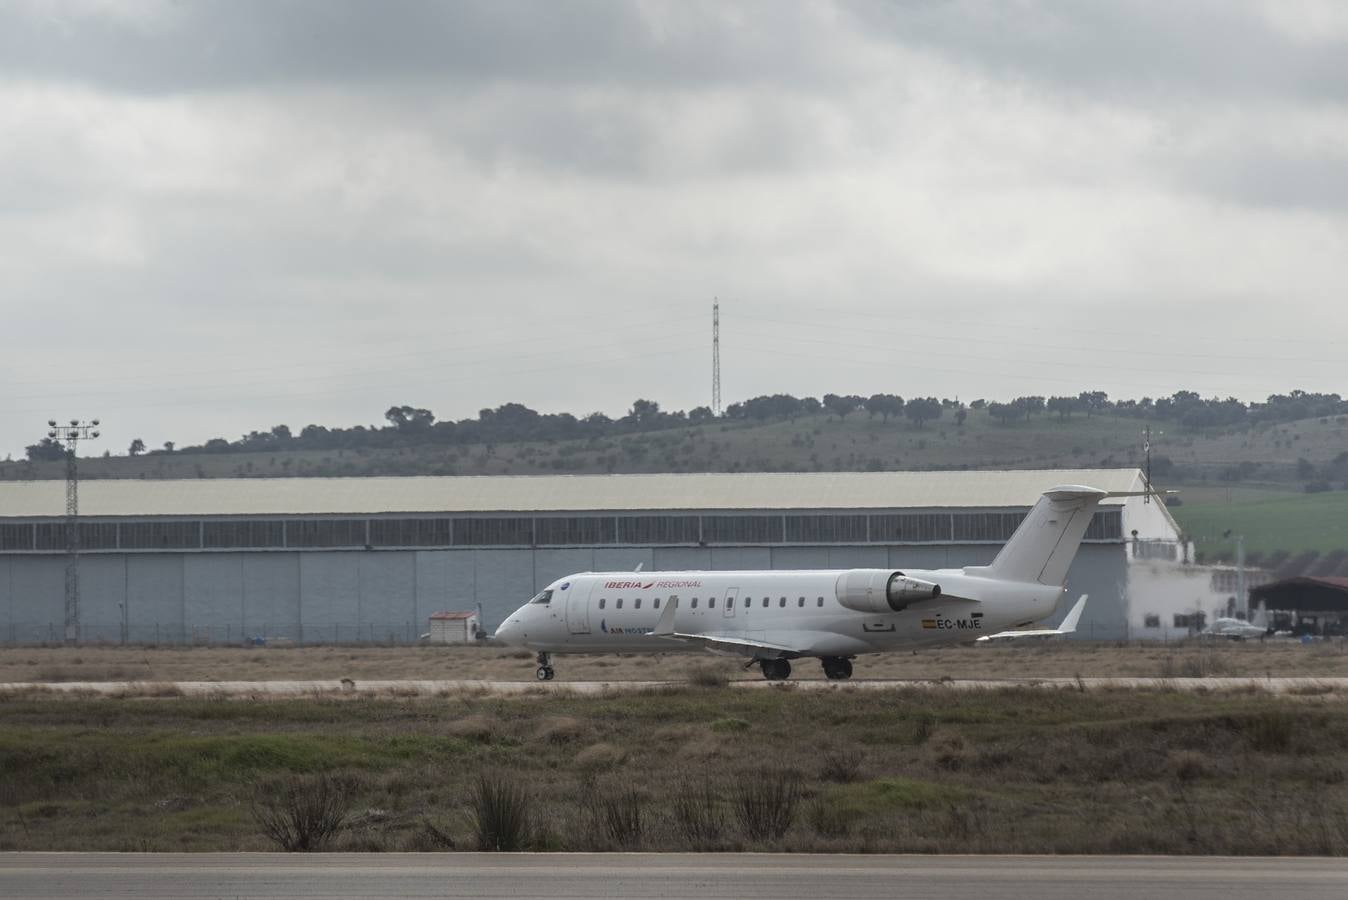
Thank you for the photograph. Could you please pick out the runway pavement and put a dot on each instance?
(701, 876)
(1304, 685)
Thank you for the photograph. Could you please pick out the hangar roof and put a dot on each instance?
(555, 493)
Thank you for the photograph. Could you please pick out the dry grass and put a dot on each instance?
(1014, 770)
(1064, 659)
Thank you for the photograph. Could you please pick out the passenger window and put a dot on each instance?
(766, 600)
(619, 604)
(821, 601)
(747, 601)
(783, 603)
(802, 602)
(656, 603)
(602, 601)
(711, 603)
(637, 604)
(694, 603)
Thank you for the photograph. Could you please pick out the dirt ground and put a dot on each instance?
(1043, 660)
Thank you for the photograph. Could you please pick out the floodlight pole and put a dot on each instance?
(71, 435)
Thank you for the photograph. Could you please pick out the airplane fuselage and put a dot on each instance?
(799, 610)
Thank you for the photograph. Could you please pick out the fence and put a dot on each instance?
(174, 634)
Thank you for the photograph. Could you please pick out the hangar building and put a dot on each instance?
(370, 559)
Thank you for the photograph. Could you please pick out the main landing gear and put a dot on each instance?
(544, 672)
(837, 668)
(775, 669)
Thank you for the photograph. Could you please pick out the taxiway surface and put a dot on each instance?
(50, 876)
(428, 687)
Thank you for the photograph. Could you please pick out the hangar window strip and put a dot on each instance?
(488, 532)
(326, 533)
(160, 535)
(742, 529)
(411, 533)
(243, 534)
(911, 528)
(15, 536)
(575, 530)
(93, 536)
(1107, 525)
(658, 530)
(986, 526)
(838, 529)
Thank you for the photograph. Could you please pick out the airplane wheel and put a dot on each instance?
(837, 669)
(776, 669)
(545, 673)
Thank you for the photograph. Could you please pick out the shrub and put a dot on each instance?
(765, 803)
(618, 818)
(699, 817)
(826, 819)
(708, 676)
(499, 810)
(302, 813)
(841, 766)
(1270, 731)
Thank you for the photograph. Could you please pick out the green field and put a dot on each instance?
(1269, 520)
(696, 767)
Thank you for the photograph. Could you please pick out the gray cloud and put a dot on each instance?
(232, 214)
(234, 44)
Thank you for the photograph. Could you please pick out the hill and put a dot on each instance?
(1250, 478)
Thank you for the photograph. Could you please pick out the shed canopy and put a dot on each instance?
(1304, 594)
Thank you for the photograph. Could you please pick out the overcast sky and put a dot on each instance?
(220, 216)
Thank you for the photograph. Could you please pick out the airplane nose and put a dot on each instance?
(510, 632)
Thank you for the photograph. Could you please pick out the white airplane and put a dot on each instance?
(1068, 626)
(774, 616)
(1239, 629)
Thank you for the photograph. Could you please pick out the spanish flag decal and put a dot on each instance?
(928, 623)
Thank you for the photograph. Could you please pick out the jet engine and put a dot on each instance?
(882, 590)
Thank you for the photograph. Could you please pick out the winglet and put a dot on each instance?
(665, 627)
(1069, 622)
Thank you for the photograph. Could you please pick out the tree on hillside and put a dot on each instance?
(137, 447)
(841, 406)
(1093, 401)
(1063, 406)
(884, 405)
(960, 415)
(168, 446)
(45, 450)
(1003, 412)
(1029, 405)
(699, 414)
(407, 419)
(923, 410)
(644, 412)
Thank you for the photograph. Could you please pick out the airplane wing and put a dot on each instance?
(1069, 625)
(722, 643)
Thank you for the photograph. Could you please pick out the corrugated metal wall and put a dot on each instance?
(388, 596)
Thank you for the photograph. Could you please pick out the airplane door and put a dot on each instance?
(578, 607)
(732, 597)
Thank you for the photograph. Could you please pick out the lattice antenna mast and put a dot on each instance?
(716, 357)
(72, 434)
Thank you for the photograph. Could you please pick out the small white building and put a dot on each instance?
(454, 627)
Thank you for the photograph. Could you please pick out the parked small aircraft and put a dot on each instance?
(1239, 629)
(773, 617)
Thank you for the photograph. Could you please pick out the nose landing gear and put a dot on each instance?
(775, 669)
(837, 668)
(544, 671)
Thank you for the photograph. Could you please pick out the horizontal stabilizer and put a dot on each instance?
(1068, 626)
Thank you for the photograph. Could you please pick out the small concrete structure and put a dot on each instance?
(454, 627)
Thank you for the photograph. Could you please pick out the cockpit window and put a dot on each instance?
(542, 597)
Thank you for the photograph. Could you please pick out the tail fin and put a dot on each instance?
(1047, 540)
(1069, 622)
